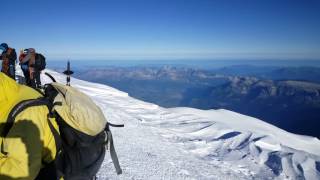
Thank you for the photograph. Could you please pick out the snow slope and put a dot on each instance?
(187, 143)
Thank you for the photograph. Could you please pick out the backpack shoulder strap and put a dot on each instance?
(17, 109)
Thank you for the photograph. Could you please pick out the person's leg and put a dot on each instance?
(32, 79)
(37, 78)
(33, 83)
(12, 72)
(26, 74)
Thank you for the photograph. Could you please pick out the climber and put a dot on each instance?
(8, 58)
(28, 148)
(36, 63)
(24, 64)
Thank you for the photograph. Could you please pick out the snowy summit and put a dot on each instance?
(187, 143)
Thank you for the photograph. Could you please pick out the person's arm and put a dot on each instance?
(21, 56)
(26, 58)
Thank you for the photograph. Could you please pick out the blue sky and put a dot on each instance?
(164, 29)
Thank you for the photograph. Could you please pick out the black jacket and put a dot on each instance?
(12, 56)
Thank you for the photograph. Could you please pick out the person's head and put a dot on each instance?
(31, 51)
(4, 46)
(25, 51)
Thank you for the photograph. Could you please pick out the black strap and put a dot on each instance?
(56, 136)
(50, 76)
(114, 125)
(113, 153)
(17, 109)
(38, 89)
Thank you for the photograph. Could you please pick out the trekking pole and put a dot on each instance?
(68, 72)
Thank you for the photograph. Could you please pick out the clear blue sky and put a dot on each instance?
(164, 29)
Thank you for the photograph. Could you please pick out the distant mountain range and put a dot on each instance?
(288, 97)
(292, 105)
(311, 74)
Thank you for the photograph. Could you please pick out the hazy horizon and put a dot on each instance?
(200, 64)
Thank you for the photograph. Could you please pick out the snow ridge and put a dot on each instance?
(187, 143)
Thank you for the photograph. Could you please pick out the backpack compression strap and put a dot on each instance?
(113, 153)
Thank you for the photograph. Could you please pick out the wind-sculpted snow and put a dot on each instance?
(186, 143)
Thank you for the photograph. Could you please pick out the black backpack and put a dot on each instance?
(79, 155)
(40, 62)
(12, 56)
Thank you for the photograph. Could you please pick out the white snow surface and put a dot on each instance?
(188, 143)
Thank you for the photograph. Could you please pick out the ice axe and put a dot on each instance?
(68, 72)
